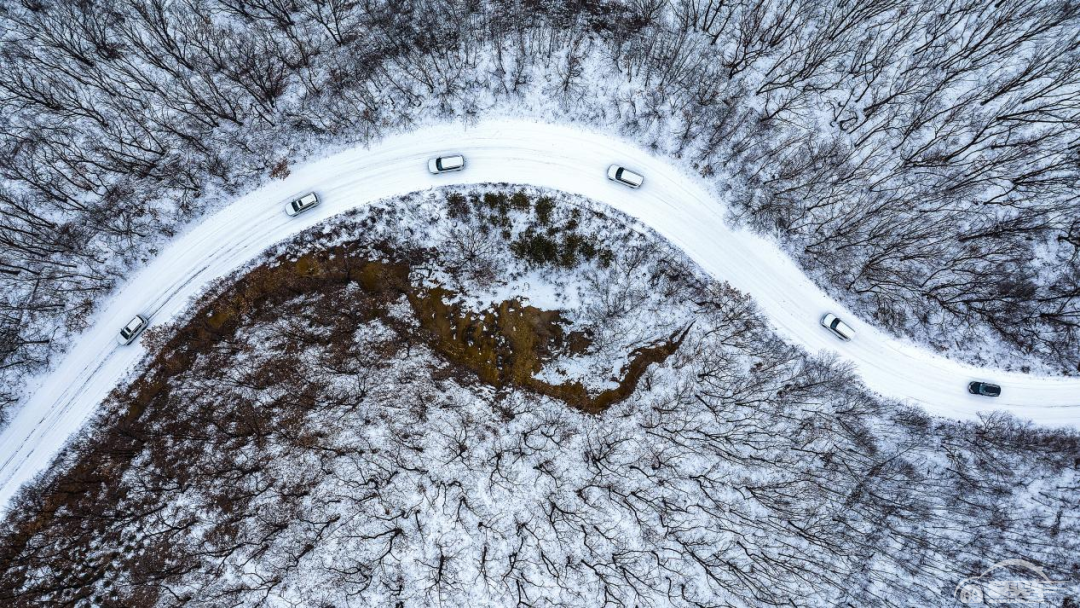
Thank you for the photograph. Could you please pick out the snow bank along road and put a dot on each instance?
(675, 203)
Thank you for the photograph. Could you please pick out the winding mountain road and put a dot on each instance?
(676, 204)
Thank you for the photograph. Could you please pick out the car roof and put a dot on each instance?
(630, 176)
(132, 324)
(452, 161)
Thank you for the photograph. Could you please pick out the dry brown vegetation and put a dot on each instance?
(918, 158)
(329, 430)
(343, 286)
(507, 345)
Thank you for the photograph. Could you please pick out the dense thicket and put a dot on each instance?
(919, 158)
(298, 442)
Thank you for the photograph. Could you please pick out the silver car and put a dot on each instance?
(625, 176)
(443, 164)
(132, 330)
(838, 327)
(301, 204)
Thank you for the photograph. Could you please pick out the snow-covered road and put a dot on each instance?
(675, 203)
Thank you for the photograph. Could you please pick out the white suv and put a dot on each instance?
(625, 176)
(301, 204)
(132, 330)
(444, 164)
(837, 327)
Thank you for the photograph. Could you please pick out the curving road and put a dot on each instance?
(676, 204)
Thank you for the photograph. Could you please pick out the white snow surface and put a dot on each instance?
(675, 203)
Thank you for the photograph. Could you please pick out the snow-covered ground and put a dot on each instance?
(675, 203)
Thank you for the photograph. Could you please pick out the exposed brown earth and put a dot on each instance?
(508, 344)
(505, 346)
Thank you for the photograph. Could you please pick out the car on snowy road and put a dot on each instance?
(984, 388)
(132, 330)
(301, 204)
(837, 327)
(625, 176)
(445, 164)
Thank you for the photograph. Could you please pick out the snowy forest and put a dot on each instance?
(370, 416)
(497, 394)
(920, 160)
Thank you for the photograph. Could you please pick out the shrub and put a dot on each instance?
(520, 201)
(572, 242)
(280, 170)
(541, 249)
(497, 201)
(544, 207)
(536, 249)
(456, 206)
(606, 257)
